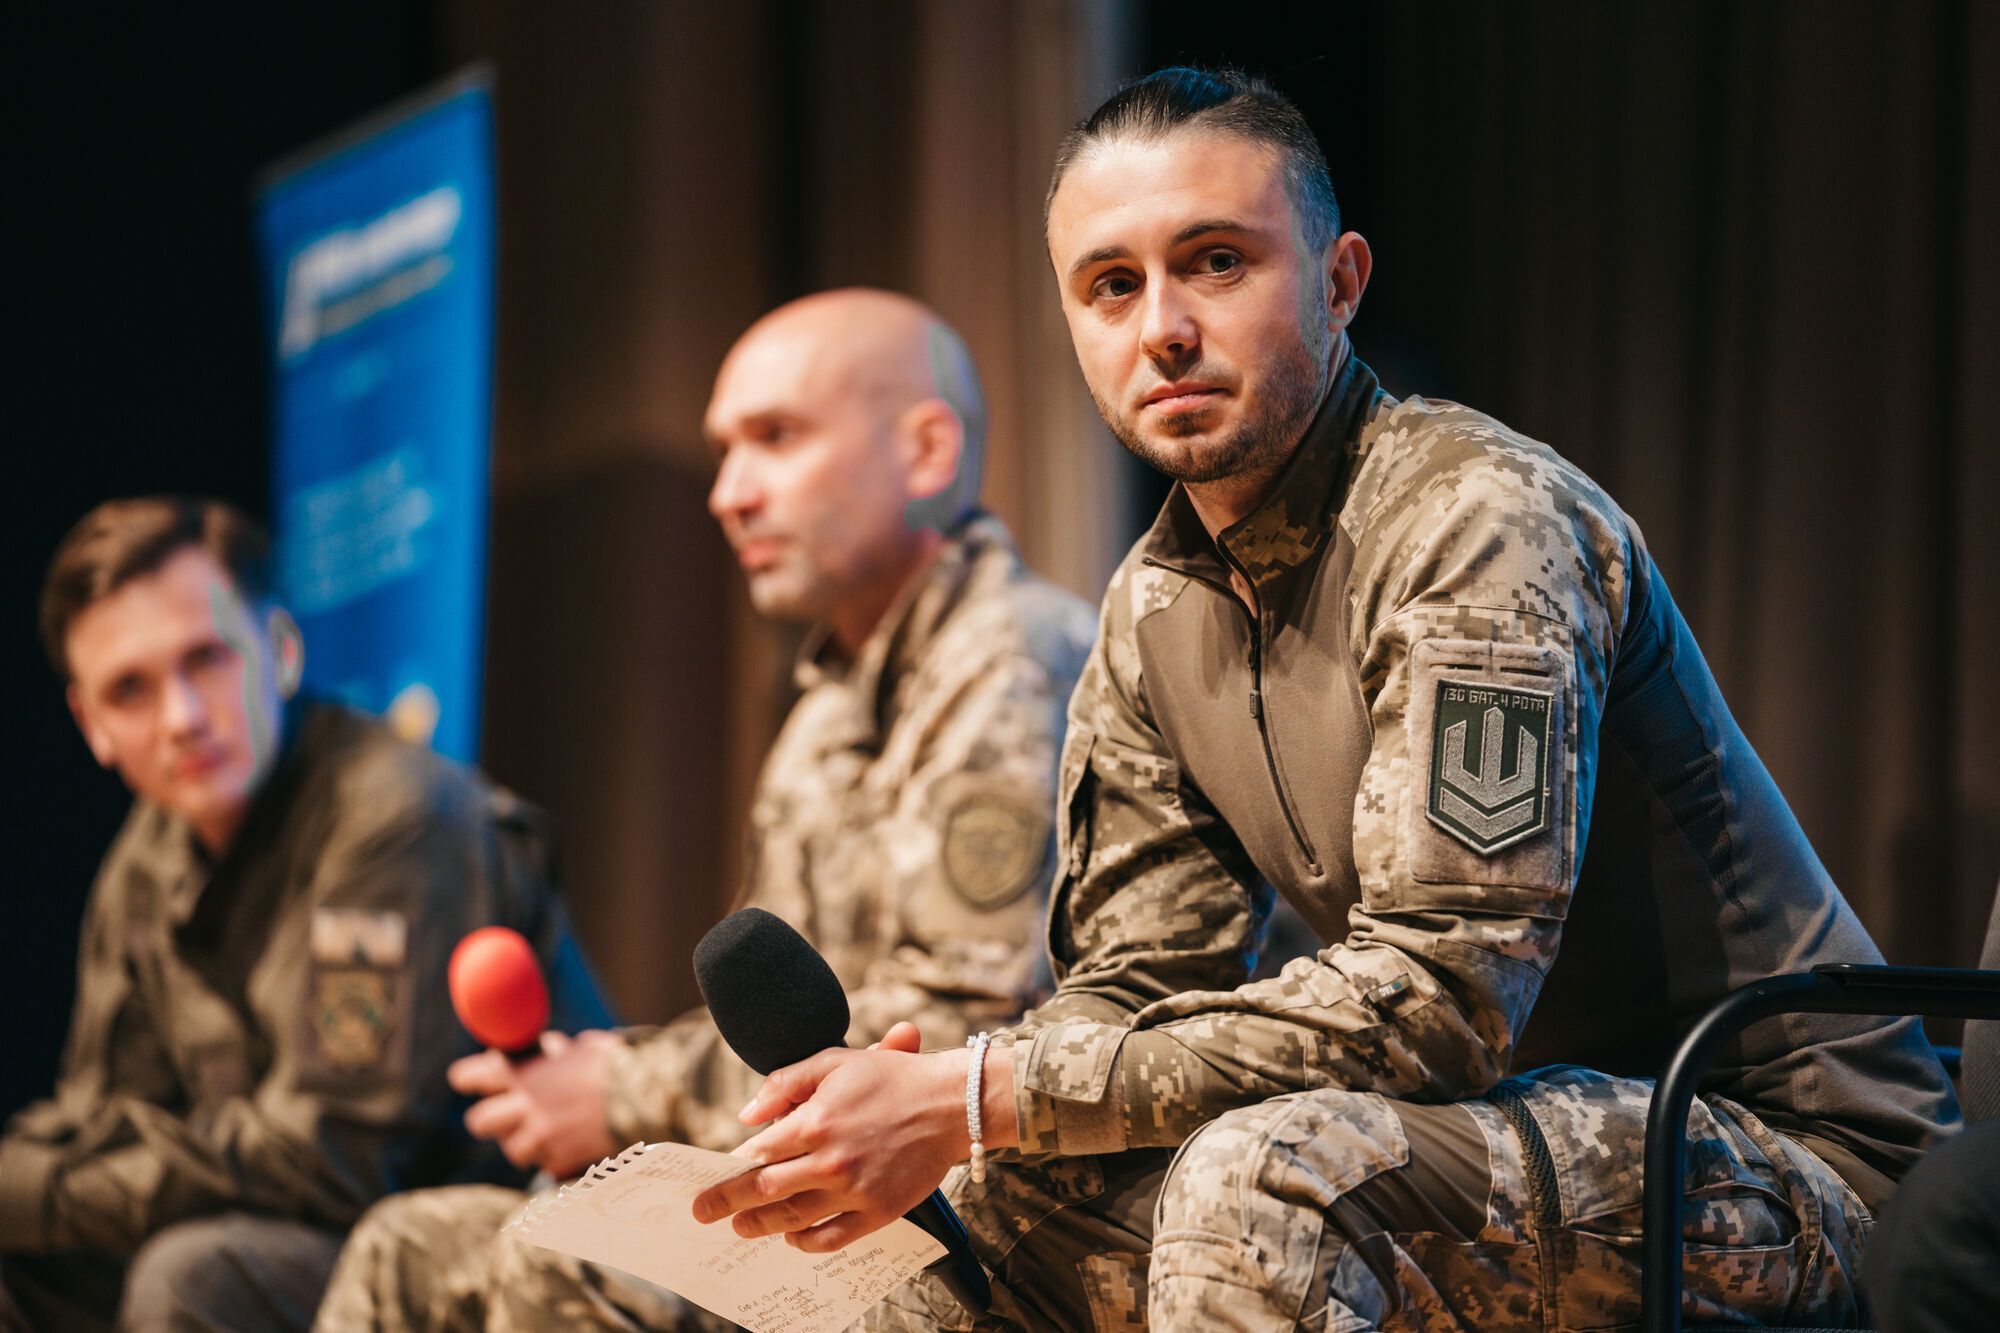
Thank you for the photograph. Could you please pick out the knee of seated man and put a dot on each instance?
(224, 1271)
(1308, 1149)
(434, 1227)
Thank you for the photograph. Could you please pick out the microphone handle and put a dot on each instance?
(959, 1269)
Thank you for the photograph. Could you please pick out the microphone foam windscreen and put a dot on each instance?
(773, 998)
(497, 988)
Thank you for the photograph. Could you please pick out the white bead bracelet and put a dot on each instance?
(974, 1076)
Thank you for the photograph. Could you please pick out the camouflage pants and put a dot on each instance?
(1065, 1237)
(1338, 1211)
(434, 1259)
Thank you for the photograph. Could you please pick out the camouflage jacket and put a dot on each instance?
(270, 1033)
(1462, 662)
(902, 822)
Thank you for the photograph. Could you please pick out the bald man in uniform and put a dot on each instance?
(902, 820)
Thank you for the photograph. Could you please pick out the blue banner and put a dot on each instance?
(378, 259)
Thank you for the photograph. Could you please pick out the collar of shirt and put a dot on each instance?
(868, 682)
(204, 884)
(1293, 520)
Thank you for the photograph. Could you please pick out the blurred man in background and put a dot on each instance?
(257, 1049)
(902, 821)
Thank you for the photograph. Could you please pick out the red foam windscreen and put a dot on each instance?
(497, 988)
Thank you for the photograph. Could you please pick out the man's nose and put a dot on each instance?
(736, 489)
(1168, 332)
(183, 710)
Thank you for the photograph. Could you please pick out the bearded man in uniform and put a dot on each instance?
(1420, 675)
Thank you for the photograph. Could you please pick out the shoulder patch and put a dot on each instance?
(357, 1002)
(1490, 747)
(1492, 771)
(354, 935)
(993, 849)
(353, 1015)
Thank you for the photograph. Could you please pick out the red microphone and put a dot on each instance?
(497, 988)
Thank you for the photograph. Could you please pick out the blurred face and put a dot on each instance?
(174, 681)
(1199, 315)
(807, 486)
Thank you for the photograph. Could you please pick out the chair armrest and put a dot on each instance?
(1835, 988)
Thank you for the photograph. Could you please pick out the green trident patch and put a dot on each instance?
(1489, 764)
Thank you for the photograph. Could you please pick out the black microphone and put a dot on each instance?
(775, 1001)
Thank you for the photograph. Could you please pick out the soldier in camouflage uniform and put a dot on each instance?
(1405, 665)
(252, 1059)
(902, 820)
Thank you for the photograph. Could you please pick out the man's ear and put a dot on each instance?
(1348, 264)
(289, 645)
(932, 439)
(93, 735)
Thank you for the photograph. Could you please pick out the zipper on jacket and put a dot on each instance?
(1257, 713)
(1543, 1192)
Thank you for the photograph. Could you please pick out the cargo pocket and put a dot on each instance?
(1114, 1286)
(1740, 1231)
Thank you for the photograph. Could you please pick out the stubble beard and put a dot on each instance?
(1260, 444)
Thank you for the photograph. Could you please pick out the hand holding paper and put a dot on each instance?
(633, 1213)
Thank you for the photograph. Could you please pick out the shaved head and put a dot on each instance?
(849, 429)
(891, 352)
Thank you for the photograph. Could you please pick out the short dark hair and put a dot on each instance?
(1229, 100)
(121, 540)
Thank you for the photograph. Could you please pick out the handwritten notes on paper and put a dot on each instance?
(633, 1212)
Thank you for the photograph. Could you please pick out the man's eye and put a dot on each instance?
(1219, 261)
(208, 655)
(126, 691)
(1113, 286)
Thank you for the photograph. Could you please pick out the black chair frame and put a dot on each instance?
(1833, 989)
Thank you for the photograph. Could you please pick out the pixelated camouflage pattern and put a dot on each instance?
(1064, 1237)
(1463, 533)
(435, 1259)
(1276, 1217)
(954, 704)
(1450, 549)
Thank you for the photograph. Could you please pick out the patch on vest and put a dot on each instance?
(353, 1013)
(1490, 748)
(993, 850)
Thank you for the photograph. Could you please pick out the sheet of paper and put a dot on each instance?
(632, 1213)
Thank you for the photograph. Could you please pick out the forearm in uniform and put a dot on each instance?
(678, 1083)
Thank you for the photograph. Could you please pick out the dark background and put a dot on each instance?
(1741, 262)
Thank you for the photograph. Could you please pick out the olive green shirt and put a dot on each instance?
(270, 1032)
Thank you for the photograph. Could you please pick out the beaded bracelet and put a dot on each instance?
(974, 1076)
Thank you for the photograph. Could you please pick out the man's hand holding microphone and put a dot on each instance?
(542, 1094)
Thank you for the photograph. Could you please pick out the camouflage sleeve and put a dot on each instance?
(1153, 896)
(112, 1053)
(680, 1082)
(1489, 591)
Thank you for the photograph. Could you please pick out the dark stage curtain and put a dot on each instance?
(1742, 263)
